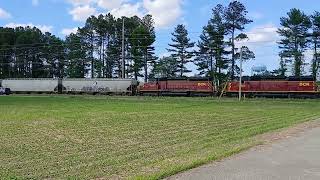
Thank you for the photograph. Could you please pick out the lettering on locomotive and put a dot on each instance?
(304, 84)
(202, 84)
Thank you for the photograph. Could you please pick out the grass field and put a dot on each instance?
(131, 137)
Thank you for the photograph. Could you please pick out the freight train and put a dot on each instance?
(251, 86)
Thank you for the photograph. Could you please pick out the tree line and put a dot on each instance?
(95, 50)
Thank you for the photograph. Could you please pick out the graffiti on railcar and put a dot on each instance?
(93, 88)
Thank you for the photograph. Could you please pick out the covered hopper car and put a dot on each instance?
(71, 86)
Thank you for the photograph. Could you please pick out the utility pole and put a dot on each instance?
(123, 52)
(240, 79)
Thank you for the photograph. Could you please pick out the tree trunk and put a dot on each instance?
(217, 75)
(297, 59)
(146, 65)
(233, 55)
(92, 58)
(315, 63)
(182, 62)
(108, 63)
(211, 63)
(135, 75)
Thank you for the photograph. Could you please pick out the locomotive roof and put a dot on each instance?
(186, 78)
(290, 78)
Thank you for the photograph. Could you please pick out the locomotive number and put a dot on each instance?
(202, 84)
(304, 84)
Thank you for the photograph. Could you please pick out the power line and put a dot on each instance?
(45, 45)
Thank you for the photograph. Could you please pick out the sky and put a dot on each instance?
(61, 17)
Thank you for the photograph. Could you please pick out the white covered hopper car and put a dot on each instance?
(90, 86)
(31, 85)
(102, 86)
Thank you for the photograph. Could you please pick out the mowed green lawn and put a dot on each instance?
(132, 137)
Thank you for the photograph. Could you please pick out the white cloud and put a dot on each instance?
(81, 13)
(35, 2)
(128, 10)
(4, 14)
(43, 28)
(262, 35)
(164, 12)
(106, 4)
(110, 4)
(263, 42)
(80, 2)
(67, 31)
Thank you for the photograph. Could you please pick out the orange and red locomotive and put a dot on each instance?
(251, 86)
(175, 86)
(286, 87)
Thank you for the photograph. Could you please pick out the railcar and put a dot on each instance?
(290, 87)
(100, 86)
(178, 87)
(72, 86)
(31, 85)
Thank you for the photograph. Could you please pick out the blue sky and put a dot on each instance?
(60, 17)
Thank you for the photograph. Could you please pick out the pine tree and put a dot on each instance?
(110, 37)
(137, 52)
(87, 33)
(315, 18)
(181, 49)
(7, 39)
(294, 33)
(148, 37)
(212, 46)
(236, 20)
(77, 65)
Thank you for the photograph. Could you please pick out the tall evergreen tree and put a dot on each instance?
(29, 59)
(137, 52)
(294, 33)
(148, 37)
(7, 40)
(55, 57)
(315, 18)
(212, 46)
(99, 26)
(77, 65)
(236, 20)
(110, 36)
(181, 49)
(88, 35)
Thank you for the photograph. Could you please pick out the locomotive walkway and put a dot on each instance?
(294, 158)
